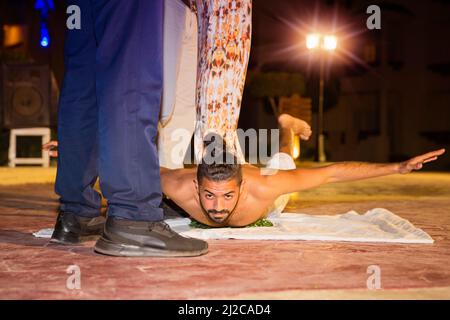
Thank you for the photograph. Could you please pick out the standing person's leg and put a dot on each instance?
(177, 120)
(129, 86)
(77, 133)
(224, 48)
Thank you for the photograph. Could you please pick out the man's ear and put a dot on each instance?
(195, 184)
(243, 182)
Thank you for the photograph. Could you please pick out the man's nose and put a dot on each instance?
(219, 204)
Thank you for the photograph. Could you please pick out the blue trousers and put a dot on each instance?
(109, 108)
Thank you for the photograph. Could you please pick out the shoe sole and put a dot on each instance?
(109, 248)
(70, 238)
(71, 242)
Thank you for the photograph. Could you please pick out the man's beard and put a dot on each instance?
(225, 219)
(218, 216)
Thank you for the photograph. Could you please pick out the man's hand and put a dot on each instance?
(416, 163)
(49, 147)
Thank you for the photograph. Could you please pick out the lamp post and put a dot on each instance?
(323, 43)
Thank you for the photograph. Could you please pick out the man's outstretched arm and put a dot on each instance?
(301, 179)
(350, 171)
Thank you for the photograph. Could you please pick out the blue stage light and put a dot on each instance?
(45, 36)
(44, 42)
(44, 7)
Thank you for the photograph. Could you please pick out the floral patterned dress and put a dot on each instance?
(224, 28)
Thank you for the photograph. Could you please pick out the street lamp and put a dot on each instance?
(324, 43)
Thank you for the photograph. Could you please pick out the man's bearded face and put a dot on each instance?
(219, 198)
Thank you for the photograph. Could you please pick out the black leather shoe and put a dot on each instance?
(130, 238)
(72, 229)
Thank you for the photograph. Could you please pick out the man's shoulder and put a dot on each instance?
(259, 183)
(178, 183)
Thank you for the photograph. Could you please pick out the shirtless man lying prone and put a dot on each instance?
(231, 194)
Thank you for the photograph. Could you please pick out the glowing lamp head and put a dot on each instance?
(312, 41)
(330, 43)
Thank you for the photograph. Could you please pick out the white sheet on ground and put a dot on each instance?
(376, 225)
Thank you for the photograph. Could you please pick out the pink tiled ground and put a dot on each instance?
(32, 269)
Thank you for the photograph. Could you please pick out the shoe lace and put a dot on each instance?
(159, 225)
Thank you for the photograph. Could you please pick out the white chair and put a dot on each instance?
(44, 160)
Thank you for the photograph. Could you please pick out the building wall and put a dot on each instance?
(394, 103)
(402, 96)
